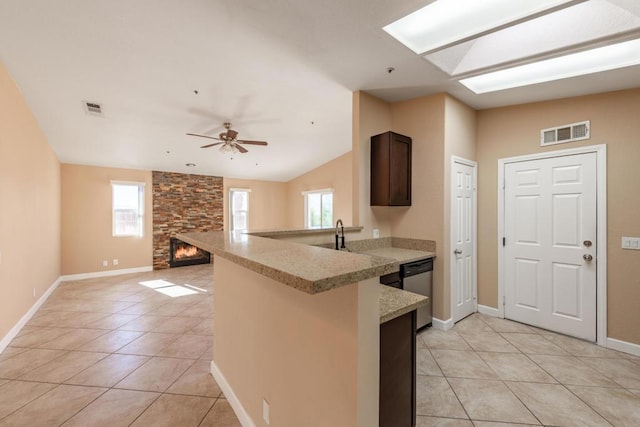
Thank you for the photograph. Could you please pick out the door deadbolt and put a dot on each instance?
(587, 257)
(587, 243)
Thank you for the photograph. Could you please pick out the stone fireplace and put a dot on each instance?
(183, 203)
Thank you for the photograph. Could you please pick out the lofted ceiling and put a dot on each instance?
(280, 70)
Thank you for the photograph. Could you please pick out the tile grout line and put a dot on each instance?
(504, 382)
(449, 384)
(548, 373)
(198, 321)
(559, 383)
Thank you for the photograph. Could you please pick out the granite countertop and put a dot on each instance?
(300, 231)
(309, 269)
(395, 302)
(401, 255)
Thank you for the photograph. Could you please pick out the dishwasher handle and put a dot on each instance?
(416, 267)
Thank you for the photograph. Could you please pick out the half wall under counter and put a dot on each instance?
(295, 325)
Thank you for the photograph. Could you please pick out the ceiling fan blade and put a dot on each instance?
(212, 145)
(231, 134)
(204, 136)
(241, 149)
(242, 141)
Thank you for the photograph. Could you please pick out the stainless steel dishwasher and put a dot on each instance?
(416, 277)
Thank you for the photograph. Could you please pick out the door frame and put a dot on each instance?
(601, 232)
(474, 165)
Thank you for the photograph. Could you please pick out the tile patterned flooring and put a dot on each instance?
(490, 372)
(112, 352)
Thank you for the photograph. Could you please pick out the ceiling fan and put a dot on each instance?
(228, 140)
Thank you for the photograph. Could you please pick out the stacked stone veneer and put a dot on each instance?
(183, 203)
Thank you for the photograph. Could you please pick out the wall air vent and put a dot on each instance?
(565, 133)
(93, 108)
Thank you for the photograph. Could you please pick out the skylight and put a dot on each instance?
(585, 25)
(586, 62)
(445, 22)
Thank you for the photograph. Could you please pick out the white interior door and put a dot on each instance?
(550, 248)
(463, 238)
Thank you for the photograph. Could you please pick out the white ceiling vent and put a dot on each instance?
(565, 133)
(93, 108)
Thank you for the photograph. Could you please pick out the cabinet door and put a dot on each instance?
(390, 170)
(398, 372)
(380, 169)
(400, 170)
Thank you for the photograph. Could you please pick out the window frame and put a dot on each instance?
(321, 192)
(231, 210)
(141, 186)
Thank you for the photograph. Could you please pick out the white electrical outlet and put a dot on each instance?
(376, 233)
(105, 263)
(115, 262)
(265, 411)
(632, 243)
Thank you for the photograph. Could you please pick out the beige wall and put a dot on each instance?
(314, 358)
(371, 116)
(267, 203)
(335, 174)
(29, 208)
(87, 221)
(274, 205)
(513, 131)
(423, 120)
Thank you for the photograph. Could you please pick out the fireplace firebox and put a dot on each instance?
(182, 254)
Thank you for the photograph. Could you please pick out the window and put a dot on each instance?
(318, 208)
(128, 208)
(239, 208)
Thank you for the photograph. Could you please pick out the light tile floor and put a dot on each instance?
(495, 372)
(112, 352)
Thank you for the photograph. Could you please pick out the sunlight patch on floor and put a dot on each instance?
(171, 289)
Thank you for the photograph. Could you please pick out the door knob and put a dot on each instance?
(587, 257)
(457, 252)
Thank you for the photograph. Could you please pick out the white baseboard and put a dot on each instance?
(107, 273)
(489, 311)
(626, 347)
(23, 321)
(442, 325)
(233, 400)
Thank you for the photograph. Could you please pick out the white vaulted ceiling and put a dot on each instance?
(272, 67)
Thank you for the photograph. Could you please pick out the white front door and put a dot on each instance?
(463, 232)
(550, 243)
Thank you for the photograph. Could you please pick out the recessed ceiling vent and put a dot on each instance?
(565, 133)
(93, 108)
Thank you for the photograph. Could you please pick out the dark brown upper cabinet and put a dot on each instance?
(390, 170)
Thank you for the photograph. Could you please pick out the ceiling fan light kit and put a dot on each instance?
(228, 141)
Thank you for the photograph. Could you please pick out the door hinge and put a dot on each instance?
(504, 242)
(504, 300)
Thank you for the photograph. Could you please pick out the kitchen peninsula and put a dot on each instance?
(296, 327)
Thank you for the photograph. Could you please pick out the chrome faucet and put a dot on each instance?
(338, 233)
